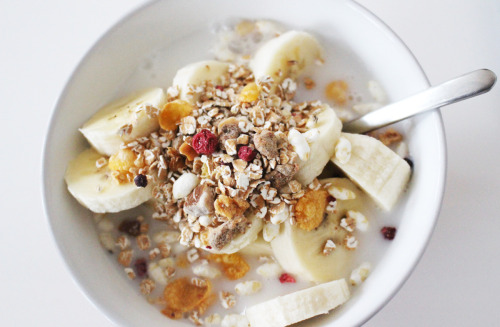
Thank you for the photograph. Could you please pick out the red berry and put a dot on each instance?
(141, 267)
(246, 153)
(287, 278)
(205, 142)
(220, 87)
(388, 232)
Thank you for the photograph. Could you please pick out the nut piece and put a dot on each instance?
(172, 113)
(201, 201)
(283, 174)
(220, 236)
(267, 144)
(184, 185)
(230, 208)
(228, 129)
(310, 209)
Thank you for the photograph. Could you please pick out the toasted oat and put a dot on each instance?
(390, 136)
(125, 257)
(130, 273)
(143, 242)
(147, 286)
(227, 299)
(309, 83)
(329, 247)
(350, 242)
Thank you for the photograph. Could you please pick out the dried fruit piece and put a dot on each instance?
(233, 265)
(230, 208)
(388, 232)
(205, 142)
(287, 278)
(337, 91)
(141, 180)
(172, 113)
(122, 161)
(310, 209)
(188, 151)
(141, 267)
(249, 93)
(246, 153)
(183, 296)
(201, 201)
(130, 226)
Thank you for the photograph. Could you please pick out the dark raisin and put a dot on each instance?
(141, 267)
(410, 162)
(141, 180)
(388, 232)
(130, 226)
(330, 198)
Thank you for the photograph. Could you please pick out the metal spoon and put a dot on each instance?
(457, 89)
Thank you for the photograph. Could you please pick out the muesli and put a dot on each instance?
(229, 166)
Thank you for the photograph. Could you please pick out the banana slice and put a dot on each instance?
(243, 240)
(300, 252)
(95, 188)
(379, 171)
(257, 248)
(195, 74)
(123, 120)
(298, 306)
(286, 56)
(322, 148)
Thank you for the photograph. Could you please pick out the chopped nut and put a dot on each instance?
(123, 242)
(310, 209)
(282, 175)
(348, 223)
(201, 201)
(130, 273)
(220, 236)
(361, 222)
(267, 144)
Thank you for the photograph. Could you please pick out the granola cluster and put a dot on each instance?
(232, 138)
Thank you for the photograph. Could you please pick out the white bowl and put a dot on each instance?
(165, 35)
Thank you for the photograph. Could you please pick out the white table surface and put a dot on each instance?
(457, 282)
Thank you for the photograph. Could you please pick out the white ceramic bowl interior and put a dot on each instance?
(161, 37)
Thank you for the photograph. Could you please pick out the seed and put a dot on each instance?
(141, 180)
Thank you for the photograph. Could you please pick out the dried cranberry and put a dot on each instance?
(141, 180)
(246, 153)
(330, 198)
(220, 87)
(388, 232)
(130, 226)
(205, 142)
(287, 278)
(141, 267)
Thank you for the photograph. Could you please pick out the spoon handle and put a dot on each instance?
(457, 89)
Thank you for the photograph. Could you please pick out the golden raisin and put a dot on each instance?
(233, 265)
(188, 151)
(172, 113)
(230, 207)
(122, 161)
(182, 295)
(337, 91)
(310, 209)
(249, 93)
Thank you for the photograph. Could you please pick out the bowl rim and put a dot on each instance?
(137, 10)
